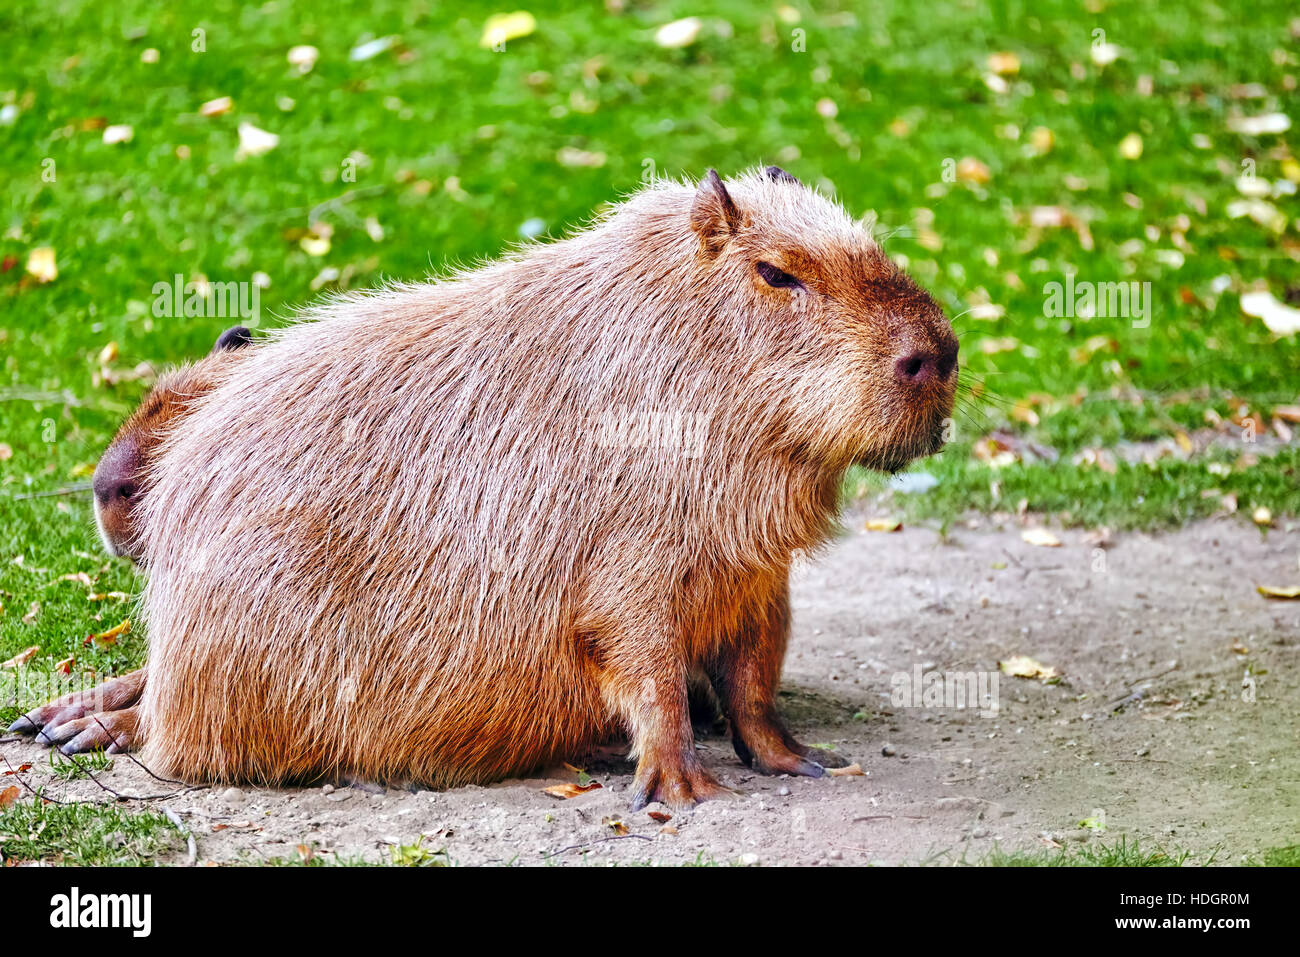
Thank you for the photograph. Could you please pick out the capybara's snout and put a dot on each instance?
(116, 485)
(928, 359)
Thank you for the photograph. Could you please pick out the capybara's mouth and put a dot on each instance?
(899, 455)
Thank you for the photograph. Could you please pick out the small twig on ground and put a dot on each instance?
(35, 793)
(616, 837)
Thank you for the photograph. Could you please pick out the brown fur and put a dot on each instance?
(392, 544)
(107, 716)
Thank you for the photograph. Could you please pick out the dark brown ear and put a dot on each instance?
(714, 215)
(779, 175)
(236, 337)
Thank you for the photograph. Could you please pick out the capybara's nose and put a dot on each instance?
(117, 476)
(917, 366)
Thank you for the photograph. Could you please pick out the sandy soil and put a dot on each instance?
(1149, 729)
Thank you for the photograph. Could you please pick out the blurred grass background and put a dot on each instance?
(949, 126)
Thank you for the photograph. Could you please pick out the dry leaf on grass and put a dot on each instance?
(9, 795)
(20, 659)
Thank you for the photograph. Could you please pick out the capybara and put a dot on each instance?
(452, 531)
(106, 716)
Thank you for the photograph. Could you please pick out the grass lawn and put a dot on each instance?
(1000, 147)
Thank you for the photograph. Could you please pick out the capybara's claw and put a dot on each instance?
(678, 788)
(23, 725)
(111, 731)
(827, 759)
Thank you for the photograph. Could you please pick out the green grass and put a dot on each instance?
(455, 147)
(1121, 853)
(84, 834)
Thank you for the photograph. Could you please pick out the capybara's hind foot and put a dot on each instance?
(111, 731)
(771, 750)
(679, 788)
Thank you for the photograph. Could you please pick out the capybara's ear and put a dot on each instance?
(236, 337)
(779, 175)
(714, 215)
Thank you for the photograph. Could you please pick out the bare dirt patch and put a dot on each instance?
(1149, 728)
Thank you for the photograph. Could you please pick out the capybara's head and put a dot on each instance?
(118, 479)
(872, 358)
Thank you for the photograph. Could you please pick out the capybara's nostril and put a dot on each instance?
(916, 368)
(919, 366)
(117, 476)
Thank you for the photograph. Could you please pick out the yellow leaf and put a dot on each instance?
(882, 525)
(41, 265)
(1268, 591)
(1022, 666)
(1004, 64)
(501, 27)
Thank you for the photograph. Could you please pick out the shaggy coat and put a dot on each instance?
(453, 531)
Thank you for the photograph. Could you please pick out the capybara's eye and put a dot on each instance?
(776, 278)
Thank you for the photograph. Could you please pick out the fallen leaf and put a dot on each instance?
(1004, 64)
(222, 104)
(570, 790)
(882, 525)
(120, 133)
(1262, 517)
(20, 659)
(1278, 591)
(1104, 54)
(372, 48)
(1041, 537)
(1022, 666)
(9, 795)
(971, 170)
(1281, 319)
(1288, 413)
(41, 265)
(679, 33)
(659, 816)
(853, 770)
(501, 27)
(254, 141)
(1260, 125)
(615, 825)
(303, 57)
(65, 666)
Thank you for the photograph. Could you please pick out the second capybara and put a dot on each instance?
(452, 531)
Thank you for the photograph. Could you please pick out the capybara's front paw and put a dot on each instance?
(679, 788)
(111, 731)
(61, 714)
